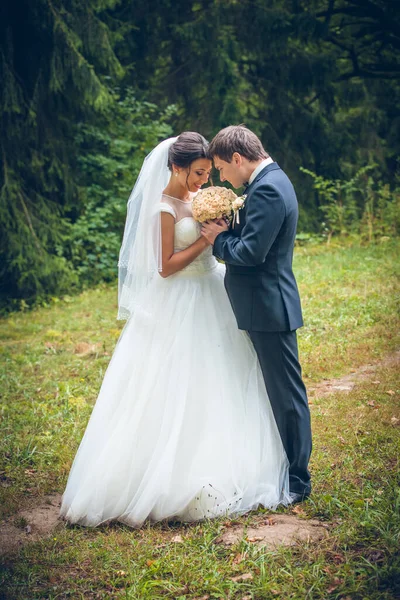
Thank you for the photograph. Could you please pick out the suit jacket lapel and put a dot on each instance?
(271, 167)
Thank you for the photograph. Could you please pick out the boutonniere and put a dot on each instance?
(237, 205)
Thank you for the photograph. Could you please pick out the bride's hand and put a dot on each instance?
(210, 229)
(223, 222)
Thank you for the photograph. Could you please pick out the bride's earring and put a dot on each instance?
(176, 173)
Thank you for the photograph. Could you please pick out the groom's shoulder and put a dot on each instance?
(272, 175)
(275, 178)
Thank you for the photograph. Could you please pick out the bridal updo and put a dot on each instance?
(189, 146)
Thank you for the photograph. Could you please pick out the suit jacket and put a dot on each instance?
(258, 253)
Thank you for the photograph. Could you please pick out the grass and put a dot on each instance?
(53, 362)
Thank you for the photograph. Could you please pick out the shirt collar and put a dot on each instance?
(261, 166)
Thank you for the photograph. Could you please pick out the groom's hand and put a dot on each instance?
(210, 229)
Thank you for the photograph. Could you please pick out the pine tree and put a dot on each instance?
(54, 58)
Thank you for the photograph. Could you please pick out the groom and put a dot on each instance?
(258, 252)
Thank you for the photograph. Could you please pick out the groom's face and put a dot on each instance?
(230, 171)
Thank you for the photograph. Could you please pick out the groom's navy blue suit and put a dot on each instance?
(261, 286)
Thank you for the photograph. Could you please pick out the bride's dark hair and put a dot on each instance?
(188, 147)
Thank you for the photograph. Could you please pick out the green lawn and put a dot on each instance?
(53, 361)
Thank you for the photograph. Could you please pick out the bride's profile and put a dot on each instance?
(182, 428)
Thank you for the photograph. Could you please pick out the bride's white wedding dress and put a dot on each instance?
(182, 428)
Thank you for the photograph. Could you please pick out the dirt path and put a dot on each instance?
(30, 524)
(38, 521)
(348, 382)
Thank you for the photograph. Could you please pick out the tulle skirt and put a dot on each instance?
(182, 428)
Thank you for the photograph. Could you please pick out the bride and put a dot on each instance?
(182, 428)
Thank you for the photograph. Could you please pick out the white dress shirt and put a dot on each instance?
(261, 166)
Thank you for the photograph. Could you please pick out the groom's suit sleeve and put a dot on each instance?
(265, 213)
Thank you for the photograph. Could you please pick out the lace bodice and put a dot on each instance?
(187, 231)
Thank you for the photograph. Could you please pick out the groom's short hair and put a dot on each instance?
(237, 138)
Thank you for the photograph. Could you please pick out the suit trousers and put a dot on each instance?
(279, 359)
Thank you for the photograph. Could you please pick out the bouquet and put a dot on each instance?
(213, 203)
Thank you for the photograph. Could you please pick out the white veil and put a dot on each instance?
(140, 255)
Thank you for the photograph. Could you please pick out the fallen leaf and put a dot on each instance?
(338, 559)
(238, 559)
(375, 556)
(84, 349)
(227, 524)
(149, 562)
(255, 539)
(244, 577)
(390, 392)
(375, 382)
(395, 421)
(371, 403)
(334, 584)
(297, 510)
(178, 539)
(121, 573)
(28, 529)
(206, 597)
(184, 590)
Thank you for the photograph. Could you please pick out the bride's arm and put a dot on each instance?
(174, 262)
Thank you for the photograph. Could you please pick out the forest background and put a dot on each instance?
(88, 87)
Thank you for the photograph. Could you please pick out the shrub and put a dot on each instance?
(109, 162)
(362, 205)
